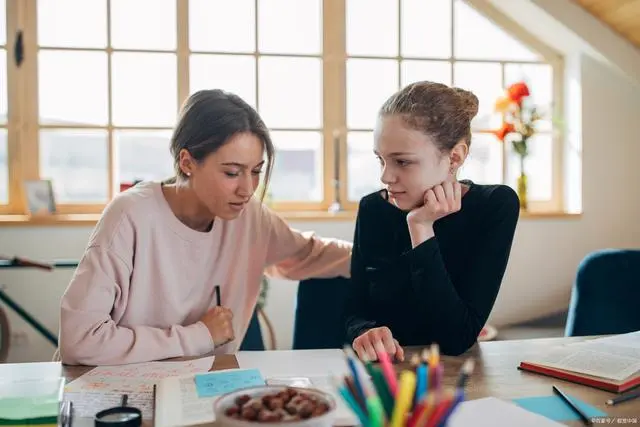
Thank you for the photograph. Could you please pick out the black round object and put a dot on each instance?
(122, 416)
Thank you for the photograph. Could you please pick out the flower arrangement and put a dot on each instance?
(518, 126)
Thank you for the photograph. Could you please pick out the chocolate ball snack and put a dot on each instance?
(289, 404)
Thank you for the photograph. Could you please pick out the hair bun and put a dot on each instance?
(468, 102)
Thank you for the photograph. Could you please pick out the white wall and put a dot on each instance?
(545, 255)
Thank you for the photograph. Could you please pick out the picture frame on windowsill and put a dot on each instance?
(39, 197)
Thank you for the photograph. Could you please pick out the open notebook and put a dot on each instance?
(610, 363)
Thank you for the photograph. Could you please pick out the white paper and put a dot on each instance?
(180, 405)
(295, 363)
(494, 412)
(103, 387)
(30, 371)
(135, 377)
(303, 366)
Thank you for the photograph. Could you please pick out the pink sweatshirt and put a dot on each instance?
(145, 278)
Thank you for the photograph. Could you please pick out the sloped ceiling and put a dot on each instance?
(623, 16)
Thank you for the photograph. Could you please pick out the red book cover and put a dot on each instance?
(601, 383)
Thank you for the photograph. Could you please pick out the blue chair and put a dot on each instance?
(319, 320)
(605, 298)
(253, 338)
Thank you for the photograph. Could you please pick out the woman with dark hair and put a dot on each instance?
(429, 250)
(174, 268)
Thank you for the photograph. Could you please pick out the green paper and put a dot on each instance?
(31, 401)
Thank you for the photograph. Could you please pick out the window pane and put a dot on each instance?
(143, 24)
(372, 27)
(280, 19)
(144, 89)
(484, 163)
(233, 73)
(435, 71)
(4, 168)
(143, 155)
(3, 22)
(426, 28)
(72, 23)
(539, 78)
(76, 162)
(208, 33)
(363, 168)
(73, 87)
(538, 166)
(369, 83)
(476, 37)
(297, 172)
(485, 81)
(290, 91)
(3, 87)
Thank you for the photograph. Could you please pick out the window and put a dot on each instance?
(95, 99)
(4, 155)
(393, 43)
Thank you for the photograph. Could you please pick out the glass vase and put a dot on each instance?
(522, 186)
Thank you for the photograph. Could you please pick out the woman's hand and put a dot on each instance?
(439, 201)
(377, 339)
(218, 321)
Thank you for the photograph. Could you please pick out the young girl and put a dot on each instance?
(145, 288)
(429, 251)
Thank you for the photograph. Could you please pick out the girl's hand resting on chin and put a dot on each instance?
(369, 343)
(439, 201)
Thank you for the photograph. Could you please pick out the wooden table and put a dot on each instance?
(496, 375)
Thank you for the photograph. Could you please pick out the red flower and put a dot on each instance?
(517, 91)
(505, 130)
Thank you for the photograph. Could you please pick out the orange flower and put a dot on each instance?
(502, 104)
(517, 91)
(505, 130)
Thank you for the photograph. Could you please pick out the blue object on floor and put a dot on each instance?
(555, 408)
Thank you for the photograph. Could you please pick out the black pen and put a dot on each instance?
(573, 406)
(154, 403)
(624, 397)
(218, 295)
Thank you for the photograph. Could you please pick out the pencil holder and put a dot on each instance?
(414, 397)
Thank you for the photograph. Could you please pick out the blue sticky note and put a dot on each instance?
(217, 383)
(555, 408)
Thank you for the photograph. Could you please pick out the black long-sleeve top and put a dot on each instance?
(441, 291)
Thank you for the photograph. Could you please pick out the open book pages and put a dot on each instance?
(177, 403)
(103, 386)
(615, 358)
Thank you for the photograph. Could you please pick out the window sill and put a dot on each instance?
(92, 219)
